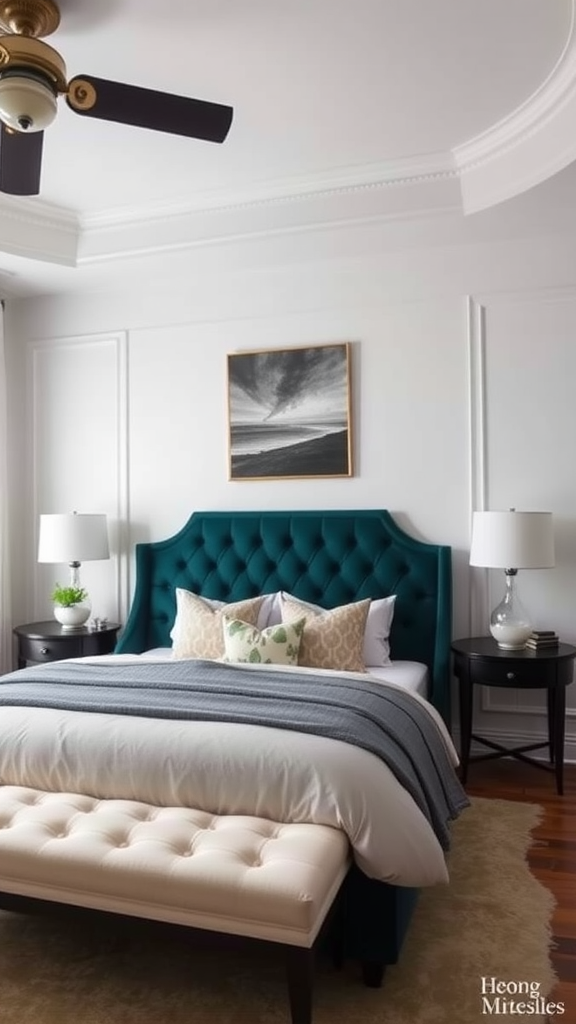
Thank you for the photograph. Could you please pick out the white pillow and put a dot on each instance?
(197, 629)
(275, 645)
(377, 632)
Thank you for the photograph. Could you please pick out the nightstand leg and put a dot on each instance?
(559, 724)
(551, 693)
(465, 691)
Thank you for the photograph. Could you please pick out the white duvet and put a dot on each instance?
(230, 768)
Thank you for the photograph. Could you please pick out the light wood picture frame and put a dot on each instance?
(289, 413)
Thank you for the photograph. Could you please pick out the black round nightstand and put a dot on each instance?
(479, 660)
(47, 641)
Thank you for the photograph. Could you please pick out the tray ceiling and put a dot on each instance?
(341, 110)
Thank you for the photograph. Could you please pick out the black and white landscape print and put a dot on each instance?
(289, 412)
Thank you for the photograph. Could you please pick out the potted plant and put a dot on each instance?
(70, 608)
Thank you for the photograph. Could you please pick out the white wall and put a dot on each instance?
(463, 360)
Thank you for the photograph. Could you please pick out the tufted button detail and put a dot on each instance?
(252, 875)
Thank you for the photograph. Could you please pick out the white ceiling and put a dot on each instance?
(333, 99)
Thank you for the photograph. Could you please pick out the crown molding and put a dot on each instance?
(531, 144)
(267, 218)
(38, 231)
(35, 210)
(397, 173)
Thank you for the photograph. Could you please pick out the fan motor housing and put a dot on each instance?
(28, 54)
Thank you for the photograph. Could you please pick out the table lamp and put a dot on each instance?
(512, 540)
(74, 538)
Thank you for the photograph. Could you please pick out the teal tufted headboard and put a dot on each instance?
(330, 558)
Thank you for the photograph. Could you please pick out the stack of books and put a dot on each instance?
(542, 638)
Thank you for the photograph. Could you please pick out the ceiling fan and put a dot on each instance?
(33, 76)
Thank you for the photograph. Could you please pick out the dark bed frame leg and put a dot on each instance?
(373, 973)
(300, 976)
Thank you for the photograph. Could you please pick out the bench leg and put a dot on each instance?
(300, 976)
(373, 973)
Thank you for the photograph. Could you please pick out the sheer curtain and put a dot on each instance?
(5, 607)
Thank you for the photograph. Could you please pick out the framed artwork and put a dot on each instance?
(289, 413)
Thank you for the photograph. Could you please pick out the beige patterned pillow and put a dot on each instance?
(378, 624)
(275, 645)
(197, 631)
(332, 639)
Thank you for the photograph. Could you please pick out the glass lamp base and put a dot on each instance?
(511, 637)
(509, 623)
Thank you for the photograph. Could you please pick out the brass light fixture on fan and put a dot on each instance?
(33, 76)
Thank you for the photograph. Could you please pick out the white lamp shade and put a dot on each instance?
(512, 540)
(73, 537)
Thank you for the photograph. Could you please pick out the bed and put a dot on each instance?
(329, 560)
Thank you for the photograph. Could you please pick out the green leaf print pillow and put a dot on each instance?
(276, 645)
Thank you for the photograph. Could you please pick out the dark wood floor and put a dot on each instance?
(552, 857)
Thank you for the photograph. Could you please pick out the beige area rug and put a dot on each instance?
(492, 921)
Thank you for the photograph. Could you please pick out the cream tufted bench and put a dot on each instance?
(233, 874)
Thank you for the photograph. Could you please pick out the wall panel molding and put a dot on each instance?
(72, 451)
(501, 327)
(489, 703)
(476, 340)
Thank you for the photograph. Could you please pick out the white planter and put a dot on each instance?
(72, 617)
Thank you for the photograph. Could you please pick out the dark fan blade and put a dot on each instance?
(20, 162)
(158, 111)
